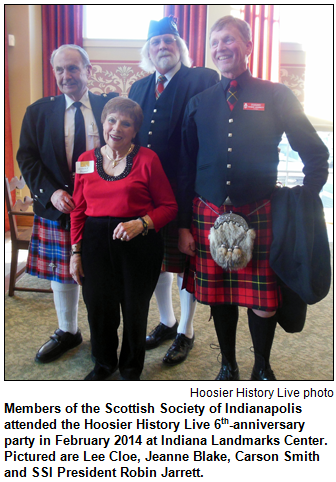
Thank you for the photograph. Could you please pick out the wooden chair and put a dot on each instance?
(19, 240)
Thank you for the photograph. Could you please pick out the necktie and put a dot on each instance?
(159, 86)
(231, 95)
(80, 137)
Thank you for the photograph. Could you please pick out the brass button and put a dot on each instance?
(155, 110)
(229, 134)
(230, 121)
(150, 133)
(228, 166)
(230, 149)
(149, 145)
(152, 121)
(228, 183)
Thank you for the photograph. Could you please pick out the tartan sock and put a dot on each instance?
(226, 320)
(188, 307)
(66, 298)
(163, 295)
(262, 332)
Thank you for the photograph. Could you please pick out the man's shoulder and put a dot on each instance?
(47, 101)
(138, 84)
(202, 72)
(103, 97)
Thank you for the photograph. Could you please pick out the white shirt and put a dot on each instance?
(91, 128)
(169, 75)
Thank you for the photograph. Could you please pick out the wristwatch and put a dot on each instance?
(145, 226)
(72, 252)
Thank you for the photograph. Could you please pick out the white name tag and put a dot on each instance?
(84, 167)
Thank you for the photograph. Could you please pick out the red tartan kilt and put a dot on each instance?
(255, 286)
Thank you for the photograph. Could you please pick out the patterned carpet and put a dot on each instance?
(30, 319)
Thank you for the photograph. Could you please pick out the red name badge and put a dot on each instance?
(253, 106)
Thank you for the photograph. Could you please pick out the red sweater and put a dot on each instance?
(141, 189)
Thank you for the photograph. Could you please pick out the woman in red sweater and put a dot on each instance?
(122, 199)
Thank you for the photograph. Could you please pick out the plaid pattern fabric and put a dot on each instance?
(254, 286)
(159, 86)
(231, 95)
(49, 251)
(173, 259)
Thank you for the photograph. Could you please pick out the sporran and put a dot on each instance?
(231, 241)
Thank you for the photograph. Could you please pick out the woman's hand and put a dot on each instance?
(76, 269)
(129, 230)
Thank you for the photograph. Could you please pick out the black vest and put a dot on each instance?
(154, 132)
(238, 155)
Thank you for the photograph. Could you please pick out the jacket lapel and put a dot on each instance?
(96, 102)
(179, 97)
(56, 125)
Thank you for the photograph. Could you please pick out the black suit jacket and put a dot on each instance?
(167, 113)
(41, 155)
(235, 153)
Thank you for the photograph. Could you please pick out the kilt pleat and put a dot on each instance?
(173, 259)
(254, 286)
(49, 251)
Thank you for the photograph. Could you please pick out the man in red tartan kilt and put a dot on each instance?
(229, 161)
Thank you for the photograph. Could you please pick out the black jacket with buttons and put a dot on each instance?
(235, 153)
(41, 155)
(161, 128)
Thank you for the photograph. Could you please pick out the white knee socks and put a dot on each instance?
(66, 298)
(188, 307)
(163, 295)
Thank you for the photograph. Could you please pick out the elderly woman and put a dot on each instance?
(122, 199)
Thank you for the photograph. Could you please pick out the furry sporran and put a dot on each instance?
(231, 241)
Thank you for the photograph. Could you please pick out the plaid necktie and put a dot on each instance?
(159, 86)
(80, 137)
(231, 95)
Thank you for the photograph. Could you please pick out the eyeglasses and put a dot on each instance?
(166, 40)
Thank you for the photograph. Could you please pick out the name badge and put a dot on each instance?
(84, 167)
(253, 106)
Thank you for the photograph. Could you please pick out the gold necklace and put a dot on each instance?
(115, 162)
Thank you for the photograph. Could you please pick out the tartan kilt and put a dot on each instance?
(49, 251)
(254, 286)
(173, 260)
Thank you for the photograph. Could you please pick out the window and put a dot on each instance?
(119, 22)
(290, 170)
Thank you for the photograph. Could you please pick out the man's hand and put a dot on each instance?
(186, 242)
(62, 201)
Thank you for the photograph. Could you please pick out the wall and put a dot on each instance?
(24, 63)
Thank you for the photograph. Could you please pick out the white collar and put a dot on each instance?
(170, 74)
(84, 100)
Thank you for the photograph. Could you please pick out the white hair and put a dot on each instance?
(147, 65)
(83, 53)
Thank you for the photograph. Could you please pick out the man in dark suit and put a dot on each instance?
(50, 143)
(229, 163)
(163, 97)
